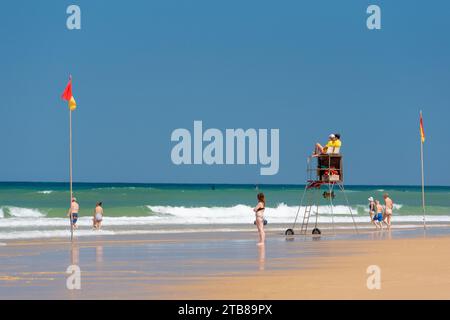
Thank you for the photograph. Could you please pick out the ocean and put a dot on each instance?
(38, 210)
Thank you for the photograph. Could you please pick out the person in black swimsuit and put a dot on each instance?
(259, 214)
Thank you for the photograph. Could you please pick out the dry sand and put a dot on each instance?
(410, 269)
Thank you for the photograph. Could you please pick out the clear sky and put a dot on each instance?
(142, 69)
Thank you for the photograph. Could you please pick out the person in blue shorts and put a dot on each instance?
(73, 212)
(378, 216)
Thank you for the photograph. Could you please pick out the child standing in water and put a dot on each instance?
(259, 213)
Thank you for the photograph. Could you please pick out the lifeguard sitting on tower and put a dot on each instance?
(334, 143)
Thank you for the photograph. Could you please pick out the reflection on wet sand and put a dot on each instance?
(75, 254)
(99, 254)
(262, 257)
(375, 235)
(389, 234)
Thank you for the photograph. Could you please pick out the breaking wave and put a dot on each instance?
(20, 212)
(244, 214)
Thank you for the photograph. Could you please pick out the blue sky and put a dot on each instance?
(142, 69)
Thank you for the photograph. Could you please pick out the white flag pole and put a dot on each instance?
(70, 173)
(422, 171)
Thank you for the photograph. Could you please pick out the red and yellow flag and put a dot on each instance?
(68, 96)
(422, 132)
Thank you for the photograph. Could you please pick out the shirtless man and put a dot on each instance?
(73, 212)
(389, 205)
(378, 217)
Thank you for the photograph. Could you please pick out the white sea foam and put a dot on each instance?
(242, 213)
(20, 212)
(65, 233)
(33, 234)
(396, 207)
(82, 221)
(45, 191)
(114, 222)
(121, 188)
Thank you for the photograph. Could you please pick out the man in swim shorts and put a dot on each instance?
(73, 212)
(389, 205)
(378, 217)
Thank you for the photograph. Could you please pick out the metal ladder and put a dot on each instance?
(309, 203)
(306, 217)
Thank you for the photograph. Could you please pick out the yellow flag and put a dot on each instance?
(72, 104)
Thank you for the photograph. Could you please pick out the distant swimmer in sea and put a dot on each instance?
(378, 217)
(98, 216)
(334, 141)
(73, 212)
(389, 206)
(259, 214)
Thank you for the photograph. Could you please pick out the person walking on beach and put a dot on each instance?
(378, 218)
(372, 209)
(389, 206)
(73, 212)
(259, 213)
(98, 216)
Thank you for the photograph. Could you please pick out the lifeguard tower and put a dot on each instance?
(324, 172)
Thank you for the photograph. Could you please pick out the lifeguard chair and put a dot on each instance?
(324, 172)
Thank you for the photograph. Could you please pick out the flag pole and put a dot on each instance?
(68, 96)
(70, 173)
(423, 180)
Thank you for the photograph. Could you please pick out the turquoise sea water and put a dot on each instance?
(52, 199)
(27, 208)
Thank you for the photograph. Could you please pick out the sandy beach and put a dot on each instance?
(410, 269)
(414, 264)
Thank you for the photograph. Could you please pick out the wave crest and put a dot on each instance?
(18, 212)
(241, 213)
(45, 191)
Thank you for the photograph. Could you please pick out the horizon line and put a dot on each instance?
(226, 183)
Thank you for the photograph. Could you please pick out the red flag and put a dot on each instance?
(67, 94)
(422, 131)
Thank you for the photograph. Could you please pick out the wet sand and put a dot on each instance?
(414, 264)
